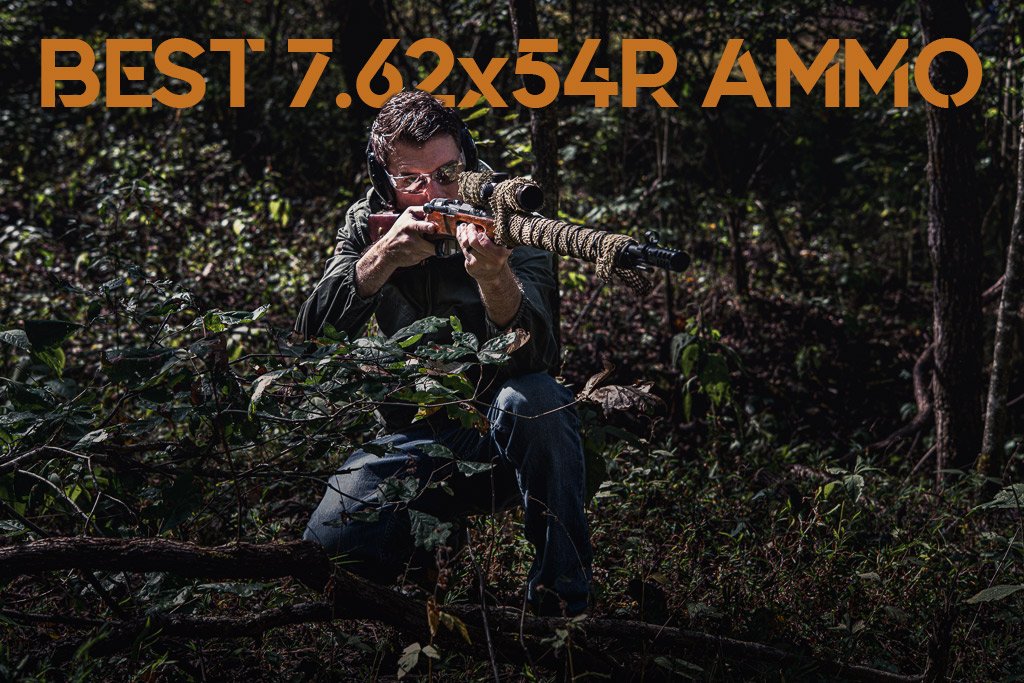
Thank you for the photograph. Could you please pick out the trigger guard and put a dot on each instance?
(446, 248)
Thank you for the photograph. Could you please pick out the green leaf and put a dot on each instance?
(10, 527)
(418, 328)
(714, 378)
(333, 334)
(494, 350)
(47, 334)
(177, 302)
(430, 388)
(468, 416)
(16, 338)
(453, 623)
(218, 321)
(363, 516)
(467, 339)
(428, 531)
(458, 384)
(91, 438)
(410, 656)
(406, 343)
(688, 359)
(470, 468)
(24, 397)
(260, 386)
(995, 593)
(378, 350)
(53, 358)
(680, 342)
(479, 112)
(1010, 497)
(17, 417)
(444, 353)
(436, 450)
(111, 285)
(393, 490)
(279, 211)
(854, 484)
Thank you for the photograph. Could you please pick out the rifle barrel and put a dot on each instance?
(652, 255)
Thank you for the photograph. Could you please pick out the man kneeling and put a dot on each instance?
(416, 151)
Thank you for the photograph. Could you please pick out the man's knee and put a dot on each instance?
(534, 413)
(533, 395)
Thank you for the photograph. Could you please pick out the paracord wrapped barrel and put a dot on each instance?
(514, 227)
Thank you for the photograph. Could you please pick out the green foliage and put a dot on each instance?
(429, 532)
(42, 339)
(994, 593)
(705, 364)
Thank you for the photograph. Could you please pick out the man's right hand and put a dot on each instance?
(404, 245)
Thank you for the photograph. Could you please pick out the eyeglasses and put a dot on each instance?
(417, 182)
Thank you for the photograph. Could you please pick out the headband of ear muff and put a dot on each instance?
(379, 177)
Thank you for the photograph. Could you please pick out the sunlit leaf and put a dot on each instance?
(16, 338)
(1010, 497)
(418, 328)
(470, 468)
(995, 593)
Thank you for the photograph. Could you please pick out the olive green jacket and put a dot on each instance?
(440, 287)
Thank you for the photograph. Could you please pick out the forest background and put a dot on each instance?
(784, 454)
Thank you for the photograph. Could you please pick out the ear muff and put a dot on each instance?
(469, 150)
(382, 184)
(379, 178)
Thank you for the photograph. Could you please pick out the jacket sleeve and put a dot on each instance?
(534, 269)
(334, 300)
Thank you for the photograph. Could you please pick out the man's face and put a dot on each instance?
(408, 159)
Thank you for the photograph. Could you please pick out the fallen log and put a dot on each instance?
(516, 637)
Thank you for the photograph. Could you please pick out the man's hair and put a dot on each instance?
(411, 117)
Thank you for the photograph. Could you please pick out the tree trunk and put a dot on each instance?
(362, 26)
(303, 560)
(954, 242)
(543, 137)
(991, 461)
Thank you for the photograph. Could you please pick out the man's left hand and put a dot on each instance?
(486, 260)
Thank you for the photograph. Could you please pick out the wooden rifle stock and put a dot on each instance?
(444, 215)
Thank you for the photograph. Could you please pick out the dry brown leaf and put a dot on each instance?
(616, 397)
(596, 379)
(522, 336)
(433, 616)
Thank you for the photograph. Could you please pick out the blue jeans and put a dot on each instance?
(534, 446)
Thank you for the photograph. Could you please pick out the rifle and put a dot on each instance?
(512, 222)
